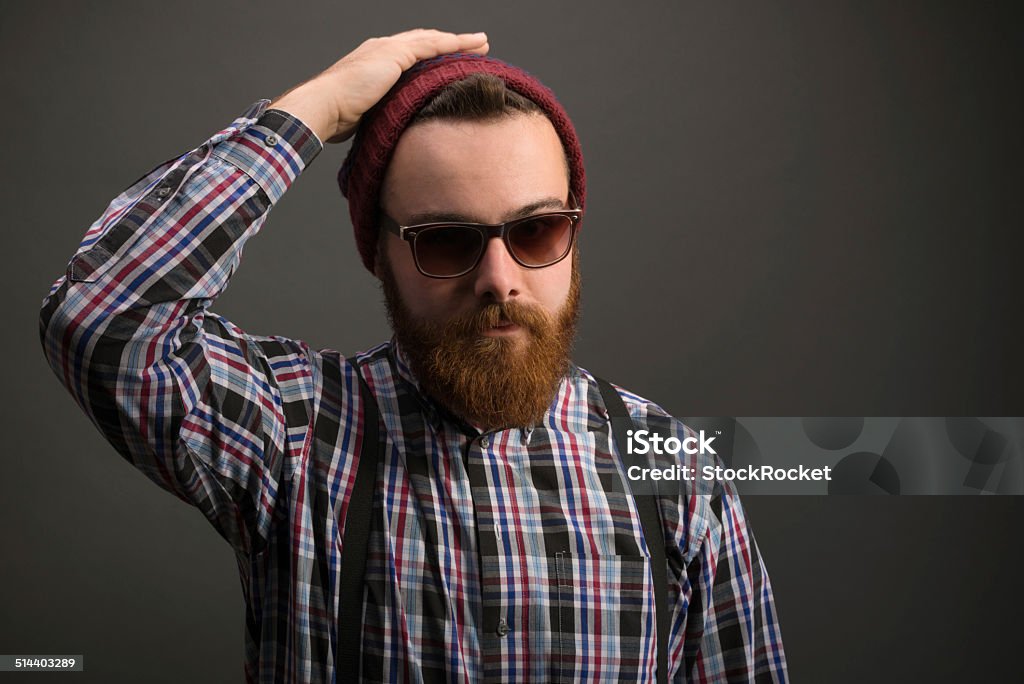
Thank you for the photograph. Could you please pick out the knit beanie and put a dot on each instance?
(362, 173)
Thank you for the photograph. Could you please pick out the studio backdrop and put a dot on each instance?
(794, 209)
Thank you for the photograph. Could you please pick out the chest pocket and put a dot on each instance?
(566, 617)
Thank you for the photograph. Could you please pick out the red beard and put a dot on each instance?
(491, 382)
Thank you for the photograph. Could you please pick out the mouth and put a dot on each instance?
(504, 327)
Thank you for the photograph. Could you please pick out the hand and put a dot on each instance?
(331, 102)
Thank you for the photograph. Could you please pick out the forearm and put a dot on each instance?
(305, 102)
(187, 220)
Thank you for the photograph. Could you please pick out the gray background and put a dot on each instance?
(794, 209)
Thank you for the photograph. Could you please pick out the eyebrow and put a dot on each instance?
(521, 212)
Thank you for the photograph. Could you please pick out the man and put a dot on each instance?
(449, 506)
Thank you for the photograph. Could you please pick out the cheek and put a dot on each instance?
(554, 283)
(424, 298)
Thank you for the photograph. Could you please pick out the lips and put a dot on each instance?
(504, 326)
(507, 318)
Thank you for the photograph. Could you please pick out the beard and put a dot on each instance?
(491, 382)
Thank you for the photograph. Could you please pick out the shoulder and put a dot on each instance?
(645, 413)
(669, 442)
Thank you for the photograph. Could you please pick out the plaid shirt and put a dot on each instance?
(512, 555)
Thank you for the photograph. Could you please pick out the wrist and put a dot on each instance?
(311, 108)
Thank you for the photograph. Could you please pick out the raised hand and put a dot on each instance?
(331, 102)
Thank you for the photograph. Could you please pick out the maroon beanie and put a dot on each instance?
(362, 173)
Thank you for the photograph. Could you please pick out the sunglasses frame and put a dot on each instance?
(488, 230)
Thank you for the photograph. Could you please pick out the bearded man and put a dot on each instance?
(452, 505)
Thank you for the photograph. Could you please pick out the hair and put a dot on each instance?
(478, 97)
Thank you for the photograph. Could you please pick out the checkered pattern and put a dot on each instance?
(514, 555)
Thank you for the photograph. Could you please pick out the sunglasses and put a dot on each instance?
(449, 249)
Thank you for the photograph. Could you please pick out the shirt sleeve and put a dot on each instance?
(211, 414)
(731, 626)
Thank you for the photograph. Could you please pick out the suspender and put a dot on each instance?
(647, 507)
(348, 654)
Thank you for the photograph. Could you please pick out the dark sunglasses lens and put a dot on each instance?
(447, 250)
(541, 240)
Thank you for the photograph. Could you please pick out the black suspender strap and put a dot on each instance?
(647, 507)
(347, 656)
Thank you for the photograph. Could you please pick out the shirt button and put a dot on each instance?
(502, 629)
(270, 140)
(485, 441)
(163, 192)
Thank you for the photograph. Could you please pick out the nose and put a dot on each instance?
(498, 275)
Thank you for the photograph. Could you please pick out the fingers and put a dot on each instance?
(336, 98)
(427, 43)
(430, 34)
